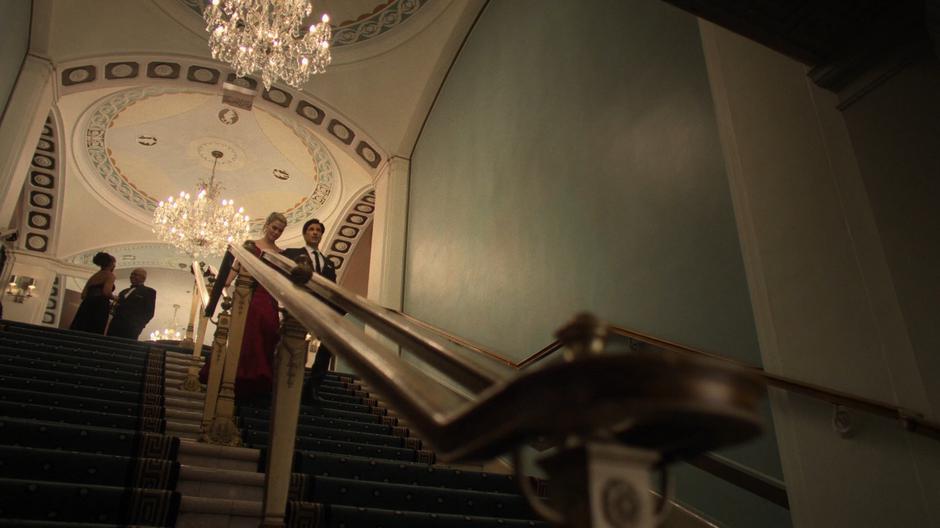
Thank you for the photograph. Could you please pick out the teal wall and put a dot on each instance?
(14, 43)
(572, 162)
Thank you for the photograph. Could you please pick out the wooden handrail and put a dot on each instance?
(622, 388)
(474, 375)
(201, 289)
(908, 419)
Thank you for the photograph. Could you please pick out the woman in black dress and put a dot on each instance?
(92, 314)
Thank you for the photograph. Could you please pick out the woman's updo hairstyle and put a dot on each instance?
(102, 259)
(274, 217)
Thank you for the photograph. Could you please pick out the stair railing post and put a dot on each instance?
(193, 308)
(216, 362)
(191, 383)
(222, 430)
(288, 383)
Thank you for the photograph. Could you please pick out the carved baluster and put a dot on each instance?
(194, 307)
(222, 430)
(216, 363)
(288, 382)
(191, 383)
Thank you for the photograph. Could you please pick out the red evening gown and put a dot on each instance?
(256, 364)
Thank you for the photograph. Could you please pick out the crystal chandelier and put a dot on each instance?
(267, 36)
(168, 334)
(204, 225)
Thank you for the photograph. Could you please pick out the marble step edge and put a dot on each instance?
(173, 391)
(179, 355)
(186, 404)
(227, 476)
(246, 508)
(247, 454)
(181, 415)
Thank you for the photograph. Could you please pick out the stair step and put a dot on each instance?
(183, 415)
(196, 481)
(355, 467)
(181, 394)
(191, 405)
(308, 514)
(215, 456)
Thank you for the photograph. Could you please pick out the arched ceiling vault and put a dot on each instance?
(137, 125)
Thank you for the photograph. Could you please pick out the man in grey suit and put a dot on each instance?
(311, 256)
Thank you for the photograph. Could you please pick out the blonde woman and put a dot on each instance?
(256, 363)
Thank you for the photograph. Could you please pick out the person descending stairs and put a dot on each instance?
(94, 431)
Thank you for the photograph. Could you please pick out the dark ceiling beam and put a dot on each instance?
(841, 40)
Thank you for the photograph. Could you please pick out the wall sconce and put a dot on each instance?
(20, 288)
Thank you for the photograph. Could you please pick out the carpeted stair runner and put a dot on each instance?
(356, 466)
(95, 432)
(80, 418)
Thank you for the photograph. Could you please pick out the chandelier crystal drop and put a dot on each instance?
(201, 225)
(167, 334)
(268, 36)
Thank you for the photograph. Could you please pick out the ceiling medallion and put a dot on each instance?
(201, 226)
(267, 36)
(228, 116)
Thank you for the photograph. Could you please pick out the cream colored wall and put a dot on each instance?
(823, 289)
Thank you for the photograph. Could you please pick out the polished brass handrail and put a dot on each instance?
(588, 392)
(908, 419)
(201, 289)
(470, 373)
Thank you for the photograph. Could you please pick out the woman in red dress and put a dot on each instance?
(256, 363)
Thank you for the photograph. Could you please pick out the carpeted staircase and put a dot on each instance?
(95, 432)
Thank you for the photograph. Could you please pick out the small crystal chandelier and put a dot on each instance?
(204, 225)
(267, 36)
(168, 334)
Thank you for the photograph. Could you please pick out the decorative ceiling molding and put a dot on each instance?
(42, 193)
(354, 221)
(205, 76)
(142, 255)
(50, 316)
(368, 26)
(390, 24)
(101, 174)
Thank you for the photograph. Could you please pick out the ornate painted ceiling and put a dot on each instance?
(141, 145)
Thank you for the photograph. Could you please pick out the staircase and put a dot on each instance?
(94, 431)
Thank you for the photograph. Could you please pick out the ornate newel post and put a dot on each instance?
(596, 482)
(288, 382)
(222, 429)
(216, 361)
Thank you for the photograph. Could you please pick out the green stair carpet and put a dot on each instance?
(80, 418)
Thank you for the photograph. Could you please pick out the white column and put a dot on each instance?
(19, 132)
(824, 302)
(389, 233)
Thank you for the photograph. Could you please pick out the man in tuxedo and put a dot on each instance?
(310, 255)
(134, 307)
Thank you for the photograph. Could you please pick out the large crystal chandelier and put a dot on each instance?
(267, 36)
(202, 225)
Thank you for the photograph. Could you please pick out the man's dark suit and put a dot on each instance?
(321, 363)
(133, 311)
